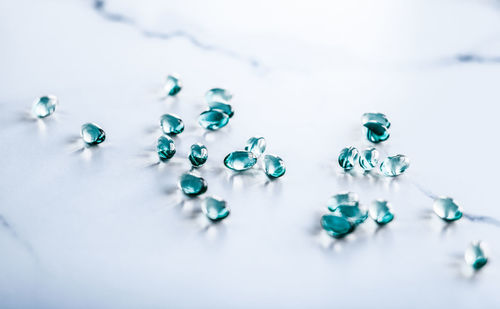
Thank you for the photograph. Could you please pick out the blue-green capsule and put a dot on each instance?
(380, 211)
(198, 155)
(377, 127)
(165, 147)
(223, 107)
(368, 159)
(172, 85)
(218, 95)
(395, 165)
(336, 226)
(92, 134)
(348, 157)
(240, 160)
(192, 185)
(171, 124)
(476, 255)
(355, 214)
(342, 199)
(213, 119)
(44, 106)
(256, 145)
(214, 208)
(274, 166)
(446, 209)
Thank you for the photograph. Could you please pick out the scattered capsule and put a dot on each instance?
(92, 134)
(343, 199)
(192, 185)
(476, 255)
(223, 107)
(447, 209)
(172, 85)
(348, 157)
(165, 147)
(368, 159)
(218, 95)
(171, 124)
(395, 165)
(336, 226)
(240, 160)
(256, 145)
(198, 155)
(213, 119)
(274, 166)
(355, 214)
(377, 127)
(380, 211)
(44, 106)
(214, 208)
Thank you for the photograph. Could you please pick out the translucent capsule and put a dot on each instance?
(165, 147)
(447, 209)
(44, 106)
(214, 208)
(355, 214)
(172, 85)
(213, 119)
(343, 199)
(274, 166)
(380, 211)
(92, 134)
(218, 95)
(240, 160)
(336, 226)
(377, 127)
(192, 185)
(348, 157)
(198, 155)
(476, 255)
(171, 124)
(256, 145)
(368, 159)
(395, 165)
(223, 107)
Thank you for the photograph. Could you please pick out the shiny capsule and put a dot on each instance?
(223, 107)
(348, 157)
(192, 185)
(44, 106)
(354, 214)
(165, 148)
(240, 160)
(171, 124)
(377, 127)
(214, 208)
(343, 199)
(274, 166)
(395, 165)
(218, 95)
(335, 225)
(368, 159)
(476, 255)
(173, 85)
(447, 209)
(198, 155)
(256, 145)
(213, 120)
(92, 134)
(380, 211)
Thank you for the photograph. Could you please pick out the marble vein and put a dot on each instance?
(476, 58)
(8, 227)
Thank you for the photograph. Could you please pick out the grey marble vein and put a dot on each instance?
(476, 58)
(8, 227)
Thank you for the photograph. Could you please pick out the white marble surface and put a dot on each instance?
(106, 228)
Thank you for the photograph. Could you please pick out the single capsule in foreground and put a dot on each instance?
(223, 107)
(218, 95)
(198, 155)
(354, 214)
(92, 134)
(44, 106)
(476, 255)
(395, 165)
(165, 147)
(368, 159)
(348, 157)
(446, 209)
(171, 124)
(343, 199)
(274, 166)
(380, 211)
(335, 225)
(240, 160)
(214, 208)
(213, 119)
(256, 145)
(192, 185)
(377, 127)
(173, 85)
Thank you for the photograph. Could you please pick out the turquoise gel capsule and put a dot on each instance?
(380, 211)
(348, 157)
(336, 226)
(44, 106)
(256, 145)
(213, 120)
(446, 209)
(218, 95)
(395, 165)
(198, 155)
(173, 85)
(368, 159)
(171, 124)
(377, 127)
(92, 134)
(214, 208)
(476, 255)
(165, 147)
(274, 166)
(354, 214)
(240, 160)
(223, 107)
(192, 185)
(343, 199)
